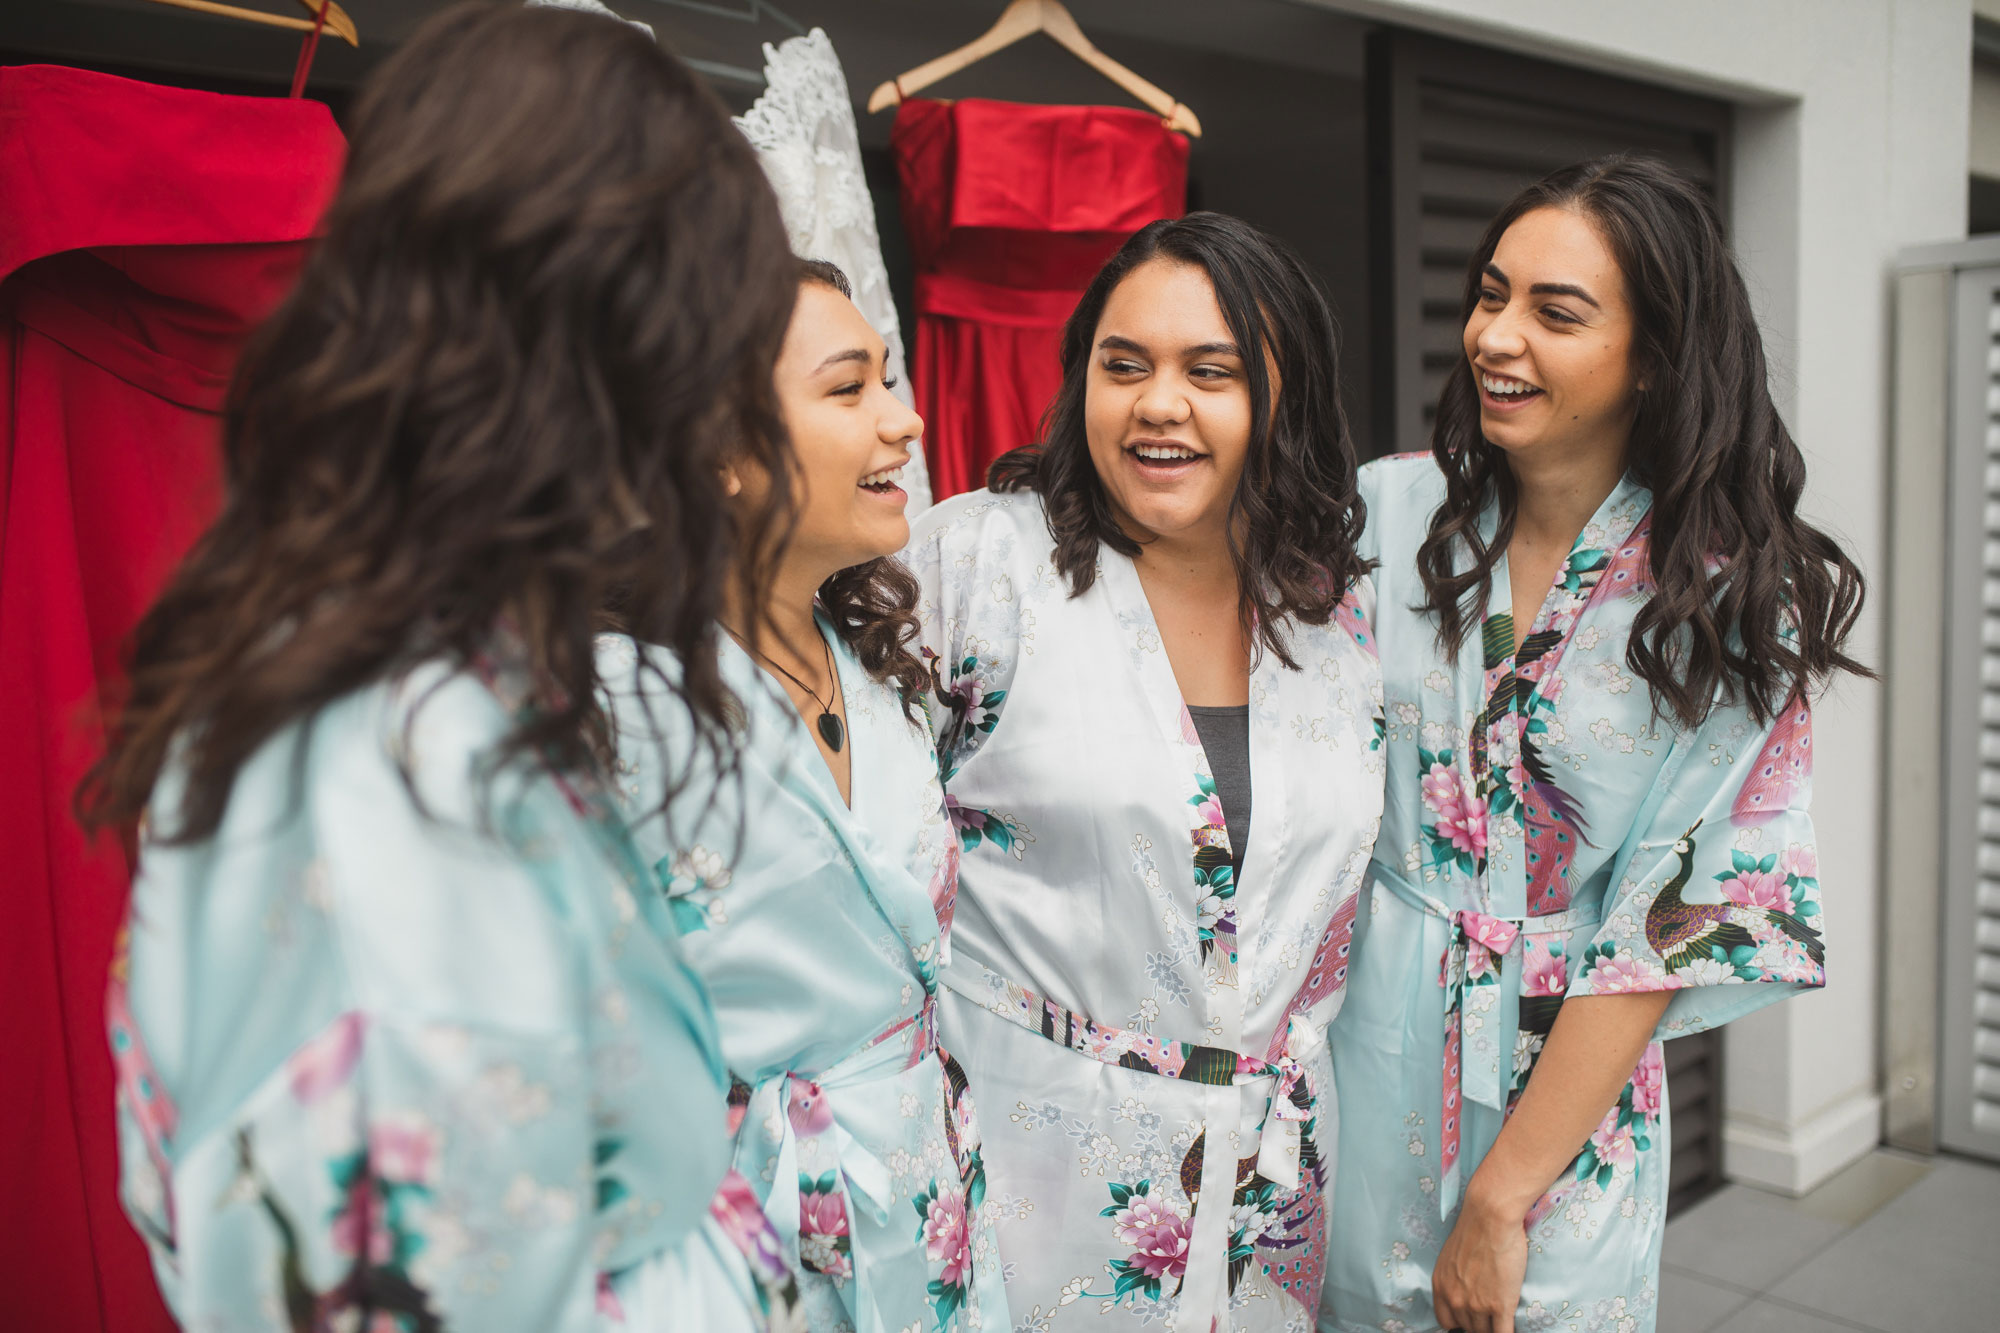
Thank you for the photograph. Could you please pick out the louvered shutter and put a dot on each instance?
(1969, 1030)
(1456, 132)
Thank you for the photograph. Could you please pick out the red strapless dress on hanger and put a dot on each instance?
(145, 231)
(1010, 210)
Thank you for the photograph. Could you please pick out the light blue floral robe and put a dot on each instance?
(819, 931)
(1543, 838)
(347, 1030)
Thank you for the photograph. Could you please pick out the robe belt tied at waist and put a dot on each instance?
(1481, 955)
(790, 1106)
(1293, 1100)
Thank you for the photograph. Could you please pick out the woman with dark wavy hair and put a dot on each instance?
(390, 1053)
(1154, 612)
(812, 885)
(1600, 618)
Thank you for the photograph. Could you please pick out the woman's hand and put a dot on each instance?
(1476, 1285)
(1591, 1051)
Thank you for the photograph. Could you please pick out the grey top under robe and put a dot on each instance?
(1225, 736)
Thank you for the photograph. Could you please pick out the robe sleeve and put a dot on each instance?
(386, 1101)
(1717, 893)
(966, 556)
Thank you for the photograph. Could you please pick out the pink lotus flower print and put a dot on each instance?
(1649, 1083)
(947, 1239)
(1615, 1144)
(1800, 859)
(1621, 975)
(403, 1149)
(1544, 971)
(1461, 816)
(1157, 1236)
(822, 1214)
(323, 1065)
(1210, 811)
(1759, 888)
(1441, 789)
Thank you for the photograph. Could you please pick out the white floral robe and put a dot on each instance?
(1543, 838)
(819, 930)
(1146, 1038)
(421, 1062)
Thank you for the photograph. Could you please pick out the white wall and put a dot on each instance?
(1851, 144)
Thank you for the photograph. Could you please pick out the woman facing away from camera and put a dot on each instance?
(812, 884)
(1600, 618)
(1152, 615)
(391, 1051)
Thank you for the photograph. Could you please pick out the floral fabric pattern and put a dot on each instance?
(440, 1075)
(1140, 1009)
(1545, 836)
(821, 930)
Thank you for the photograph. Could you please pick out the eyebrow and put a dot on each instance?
(1548, 288)
(1114, 343)
(851, 354)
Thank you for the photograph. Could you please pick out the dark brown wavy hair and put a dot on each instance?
(1732, 562)
(544, 312)
(1296, 513)
(873, 605)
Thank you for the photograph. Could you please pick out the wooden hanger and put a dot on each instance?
(1023, 18)
(337, 21)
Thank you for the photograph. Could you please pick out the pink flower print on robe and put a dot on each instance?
(1544, 970)
(947, 1239)
(1800, 860)
(1210, 811)
(403, 1149)
(824, 1246)
(1461, 816)
(1767, 889)
(1157, 1236)
(1649, 1083)
(1624, 975)
(1615, 1144)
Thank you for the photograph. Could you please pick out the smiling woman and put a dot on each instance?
(812, 887)
(1142, 971)
(1600, 620)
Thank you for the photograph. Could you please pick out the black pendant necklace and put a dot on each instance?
(830, 729)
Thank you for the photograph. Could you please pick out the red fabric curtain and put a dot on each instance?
(145, 231)
(1010, 210)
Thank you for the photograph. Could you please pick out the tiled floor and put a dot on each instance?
(1892, 1244)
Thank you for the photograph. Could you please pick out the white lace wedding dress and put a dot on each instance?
(803, 130)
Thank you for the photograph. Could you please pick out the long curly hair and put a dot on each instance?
(1296, 515)
(1751, 603)
(873, 605)
(544, 311)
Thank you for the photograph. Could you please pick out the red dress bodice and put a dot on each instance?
(1010, 210)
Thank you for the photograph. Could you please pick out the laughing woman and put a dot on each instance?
(389, 1054)
(1154, 614)
(1600, 619)
(812, 885)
